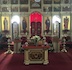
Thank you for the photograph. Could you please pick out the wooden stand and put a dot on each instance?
(17, 45)
(64, 49)
(9, 50)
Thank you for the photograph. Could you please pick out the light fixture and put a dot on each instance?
(56, 20)
(37, 0)
(16, 19)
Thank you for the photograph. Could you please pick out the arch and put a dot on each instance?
(36, 17)
(36, 23)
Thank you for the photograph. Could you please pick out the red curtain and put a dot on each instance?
(36, 17)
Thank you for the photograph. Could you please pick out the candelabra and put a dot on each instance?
(9, 45)
(64, 44)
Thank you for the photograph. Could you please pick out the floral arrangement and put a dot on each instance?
(35, 39)
(8, 36)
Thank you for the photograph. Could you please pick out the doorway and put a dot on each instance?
(15, 30)
(36, 23)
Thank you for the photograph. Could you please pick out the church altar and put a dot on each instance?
(36, 55)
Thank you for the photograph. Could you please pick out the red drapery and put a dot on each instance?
(36, 17)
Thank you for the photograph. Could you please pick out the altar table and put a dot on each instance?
(36, 55)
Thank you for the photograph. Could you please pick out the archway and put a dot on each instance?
(15, 26)
(36, 23)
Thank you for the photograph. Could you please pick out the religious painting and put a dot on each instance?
(5, 23)
(14, 9)
(47, 1)
(47, 9)
(23, 9)
(50, 8)
(47, 23)
(57, 8)
(66, 22)
(44, 9)
(57, 1)
(5, 9)
(35, 4)
(14, 1)
(23, 1)
(5, 1)
(66, 8)
(66, 1)
(24, 23)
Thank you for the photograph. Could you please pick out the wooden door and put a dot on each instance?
(35, 28)
(36, 23)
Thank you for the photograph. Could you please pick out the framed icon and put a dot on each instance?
(23, 1)
(35, 4)
(5, 23)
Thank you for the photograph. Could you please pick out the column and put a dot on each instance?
(26, 58)
(71, 26)
(46, 61)
(17, 46)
